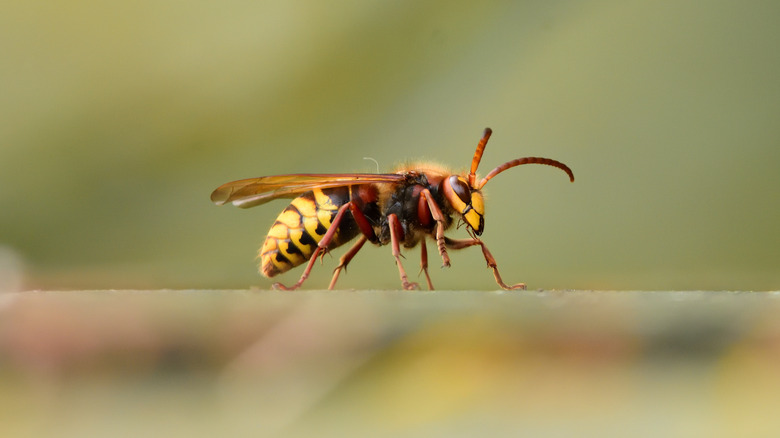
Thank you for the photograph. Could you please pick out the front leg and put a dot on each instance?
(438, 216)
(491, 261)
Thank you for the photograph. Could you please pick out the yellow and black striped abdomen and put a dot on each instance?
(301, 226)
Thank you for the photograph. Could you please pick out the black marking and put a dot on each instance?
(338, 195)
(293, 249)
(282, 259)
(307, 240)
(321, 230)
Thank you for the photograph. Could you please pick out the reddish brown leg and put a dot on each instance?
(491, 261)
(368, 235)
(396, 233)
(438, 216)
(322, 247)
(345, 259)
(362, 222)
(424, 262)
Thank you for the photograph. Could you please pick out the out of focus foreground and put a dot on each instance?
(370, 363)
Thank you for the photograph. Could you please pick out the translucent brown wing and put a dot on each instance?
(250, 192)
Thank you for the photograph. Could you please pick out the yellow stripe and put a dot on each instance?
(323, 201)
(268, 246)
(307, 207)
(268, 257)
(281, 266)
(295, 237)
(290, 218)
(278, 231)
(294, 258)
(324, 217)
(310, 224)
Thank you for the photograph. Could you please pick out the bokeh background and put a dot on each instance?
(118, 119)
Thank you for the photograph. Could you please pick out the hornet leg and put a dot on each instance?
(438, 216)
(491, 261)
(368, 235)
(396, 234)
(424, 262)
(345, 259)
(322, 248)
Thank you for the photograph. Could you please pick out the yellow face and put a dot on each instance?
(466, 201)
(476, 216)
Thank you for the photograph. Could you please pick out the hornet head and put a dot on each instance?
(464, 193)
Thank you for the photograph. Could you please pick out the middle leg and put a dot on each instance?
(424, 262)
(396, 234)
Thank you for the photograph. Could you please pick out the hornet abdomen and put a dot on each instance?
(301, 226)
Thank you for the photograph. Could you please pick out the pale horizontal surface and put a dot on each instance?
(389, 363)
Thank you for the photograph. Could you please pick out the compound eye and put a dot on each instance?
(461, 188)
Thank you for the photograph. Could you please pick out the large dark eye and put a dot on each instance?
(461, 189)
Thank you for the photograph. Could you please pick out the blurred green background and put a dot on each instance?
(118, 119)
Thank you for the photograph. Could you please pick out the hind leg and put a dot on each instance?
(322, 247)
(345, 259)
(396, 235)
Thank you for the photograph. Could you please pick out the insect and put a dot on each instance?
(406, 207)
